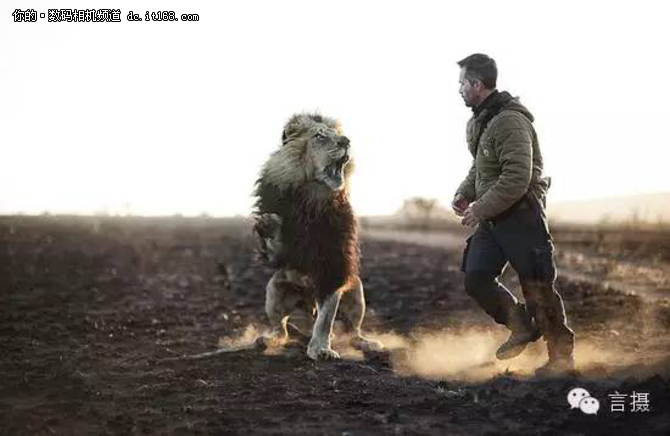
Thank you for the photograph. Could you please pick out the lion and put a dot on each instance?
(307, 231)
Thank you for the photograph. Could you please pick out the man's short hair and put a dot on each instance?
(479, 66)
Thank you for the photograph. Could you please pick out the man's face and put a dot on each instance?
(471, 92)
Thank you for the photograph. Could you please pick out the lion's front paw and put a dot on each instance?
(365, 344)
(268, 225)
(322, 353)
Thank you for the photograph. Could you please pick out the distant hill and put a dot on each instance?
(649, 208)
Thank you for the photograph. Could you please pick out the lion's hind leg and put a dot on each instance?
(283, 293)
(352, 307)
(319, 347)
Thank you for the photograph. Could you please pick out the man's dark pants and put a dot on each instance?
(521, 238)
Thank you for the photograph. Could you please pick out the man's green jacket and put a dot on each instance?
(507, 159)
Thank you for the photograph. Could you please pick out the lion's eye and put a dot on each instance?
(320, 137)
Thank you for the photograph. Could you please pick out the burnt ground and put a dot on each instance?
(91, 311)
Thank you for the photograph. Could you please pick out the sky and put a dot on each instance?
(162, 118)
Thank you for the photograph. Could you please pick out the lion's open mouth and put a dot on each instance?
(335, 169)
(333, 174)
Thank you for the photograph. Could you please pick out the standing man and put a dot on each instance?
(504, 196)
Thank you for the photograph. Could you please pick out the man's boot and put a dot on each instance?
(523, 330)
(560, 345)
(560, 365)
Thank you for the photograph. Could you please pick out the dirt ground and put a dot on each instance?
(92, 311)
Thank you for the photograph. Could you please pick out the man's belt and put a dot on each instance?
(525, 199)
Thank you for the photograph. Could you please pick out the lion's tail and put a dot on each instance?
(257, 344)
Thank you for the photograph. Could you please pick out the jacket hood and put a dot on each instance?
(498, 101)
(515, 105)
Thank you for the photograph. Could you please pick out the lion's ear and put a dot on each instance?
(294, 127)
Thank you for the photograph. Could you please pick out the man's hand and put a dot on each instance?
(469, 217)
(459, 205)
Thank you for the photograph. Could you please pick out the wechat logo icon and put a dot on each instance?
(579, 398)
